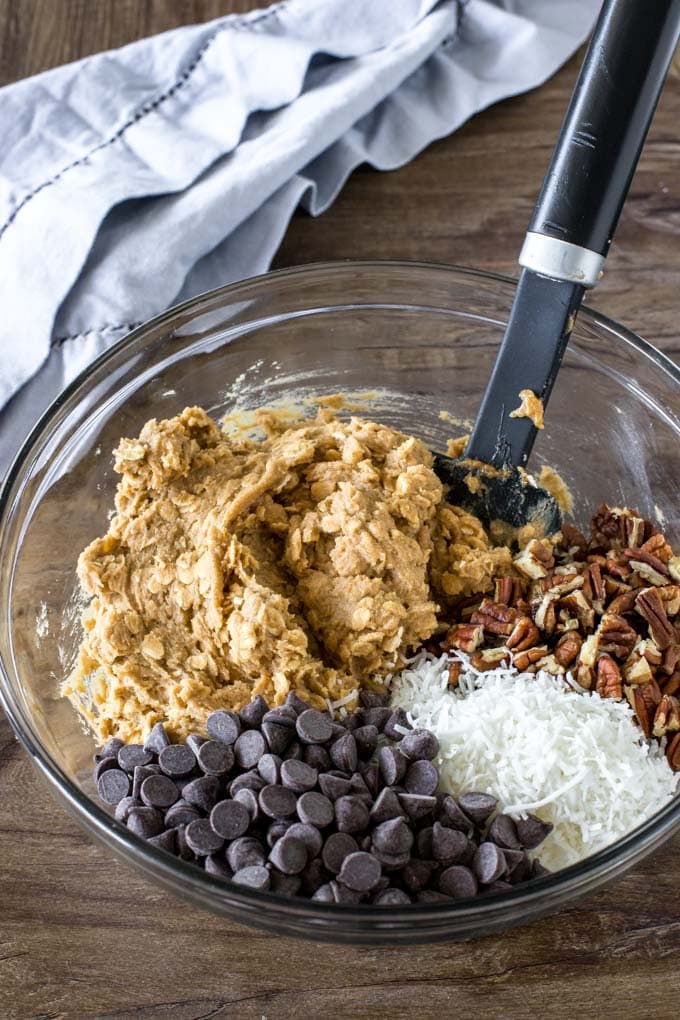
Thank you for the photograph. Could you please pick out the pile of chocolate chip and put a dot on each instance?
(291, 801)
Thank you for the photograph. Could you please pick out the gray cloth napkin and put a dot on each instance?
(139, 177)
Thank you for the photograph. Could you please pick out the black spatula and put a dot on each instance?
(564, 251)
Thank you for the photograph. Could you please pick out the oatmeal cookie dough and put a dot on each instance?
(312, 560)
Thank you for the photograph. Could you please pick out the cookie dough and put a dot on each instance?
(313, 560)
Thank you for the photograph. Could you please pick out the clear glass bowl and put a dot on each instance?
(414, 340)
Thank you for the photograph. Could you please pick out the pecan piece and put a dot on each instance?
(616, 635)
(573, 540)
(455, 669)
(674, 568)
(671, 659)
(544, 614)
(593, 583)
(637, 671)
(609, 684)
(504, 590)
(670, 596)
(495, 617)
(568, 647)
(465, 636)
(536, 559)
(673, 753)
(577, 605)
(672, 685)
(623, 603)
(644, 710)
(522, 660)
(524, 635)
(489, 658)
(648, 567)
(650, 606)
(657, 546)
(585, 675)
(667, 716)
(605, 525)
(561, 584)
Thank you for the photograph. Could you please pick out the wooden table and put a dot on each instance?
(82, 936)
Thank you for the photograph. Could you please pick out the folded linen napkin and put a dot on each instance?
(142, 176)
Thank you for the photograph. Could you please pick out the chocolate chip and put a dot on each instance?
(250, 801)
(103, 765)
(141, 773)
(392, 765)
(184, 851)
(313, 877)
(269, 767)
(223, 725)
(393, 837)
(278, 737)
(245, 852)
(202, 792)
(324, 894)
(181, 813)
(391, 862)
(202, 837)
(489, 863)
(317, 757)
(297, 776)
(314, 727)
(334, 786)
(417, 805)
(277, 802)
(351, 814)
(157, 739)
(296, 703)
(366, 738)
(284, 885)
(386, 806)
(343, 894)
(458, 882)
(416, 874)
(113, 785)
(338, 846)
(424, 843)
(276, 830)
(358, 786)
(131, 755)
(215, 758)
(392, 898)
(422, 778)
(289, 855)
(519, 869)
(432, 896)
(532, 831)
(451, 815)
(396, 725)
(503, 832)
(255, 877)
(215, 865)
(230, 819)
(247, 781)
(478, 806)
(309, 835)
(448, 845)
(145, 822)
(194, 741)
(165, 841)
(419, 745)
(371, 774)
(538, 870)
(159, 792)
(496, 887)
(315, 809)
(373, 699)
(344, 754)
(177, 760)
(293, 752)
(124, 807)
(360, 871)
(110, 749)
(377, 717)
(252, 714)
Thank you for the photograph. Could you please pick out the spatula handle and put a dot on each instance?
(601, 139)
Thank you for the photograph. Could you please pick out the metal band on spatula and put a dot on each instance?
(564, 252)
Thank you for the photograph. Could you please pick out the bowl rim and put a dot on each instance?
(544, 893)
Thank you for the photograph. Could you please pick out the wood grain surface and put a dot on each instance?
(83, 936)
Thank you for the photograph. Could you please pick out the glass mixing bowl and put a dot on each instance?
(413, 344)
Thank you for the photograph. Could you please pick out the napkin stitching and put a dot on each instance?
(231, 21)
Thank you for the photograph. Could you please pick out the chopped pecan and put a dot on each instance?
(647, 647)
(643, 713)
(674, 568)
(605, 525)
(671, 659)
(544, 614)
(585, 675)
(504, 590)
(623, 603)
(588, 654)
(672, 685)
(524, 635)
(572, 539)
(465, 636)
(616, 635)
(673, 753)
(670, 596)
(613, 588)
(650, 606)
(609, 683)
(620, 570)
(667, 716)
(495, 617)
(561, 584)
(657, 546)
(522, 660)
(536, 559)
(455, 669)
(548, 664)
(637, 671)
(568, 647)
(577, 605)
(648, 567)
(593, 584)
(489, 658)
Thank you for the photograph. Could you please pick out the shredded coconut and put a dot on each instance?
(575, 759)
